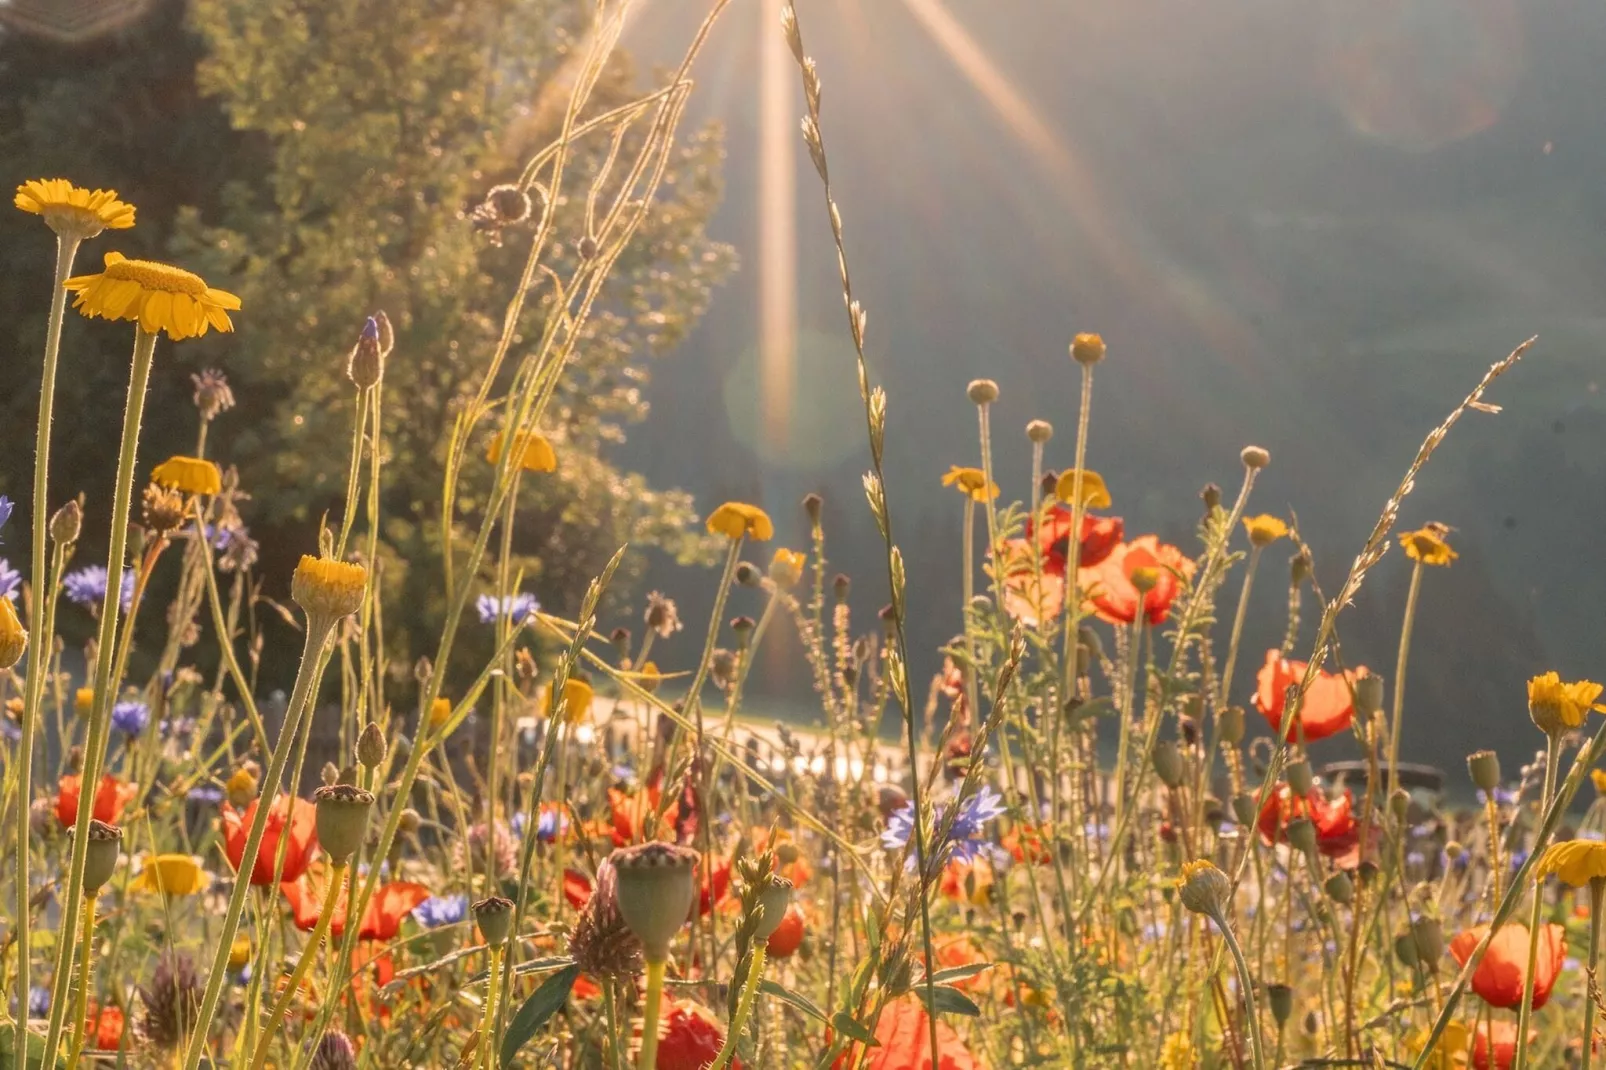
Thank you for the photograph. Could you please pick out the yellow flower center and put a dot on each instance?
(153, 276)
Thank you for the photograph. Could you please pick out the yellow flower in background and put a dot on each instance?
(1556, 706)
(1577, 862)
(1427, 545)
(786, 567)
(532, 452)
(577, 695)
(240, 952)
(971, 481)
(440, 711)
(1264, 529)
(1598, 778)
(13, 636)
(1178, 1053)
(241, 787)
(83, 701)
(191, 475)
(72, 211)
(650, 677)
(736, 519)
(1095, 495)
(1450, 1053)
(172, 874)
(159, 297)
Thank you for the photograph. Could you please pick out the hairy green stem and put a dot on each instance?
(309, 951)
(1536, 912)
(649, 1016)
(744, 1007)
(1597, 898)
(1399, 675)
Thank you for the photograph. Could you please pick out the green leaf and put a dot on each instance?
(36, 1048)
(946, 1000)
(851, 1027)
(960, 973)
(541, 1005)
(802, 1003)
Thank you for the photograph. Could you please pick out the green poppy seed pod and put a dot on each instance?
(1405, 949)
(1281, 999)
(1339, 888)
(1368, 872)
(748, 575)
(1484, 765)
(494, 916)
(1230, 725)
(775, 898)
(1087, 349)
(371, 746)
(342, 818)
(1255, 457)
(656, 889)
(1428, 934)
(1299, 777)
(1243, 808)
(1302, 834)
(982, 391)
(1168, 762)
(1399, 803)
(1368, 694)
(1039, 431)
(1203, 888)
(66, 522)
(100, 861)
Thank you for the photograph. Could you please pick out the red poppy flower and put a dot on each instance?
(789, 861)
(576, 888)
(110, 799)
(1031, 595)
(1113, 594)
(585, 988)
(1328, 706)
(963, 951)
(689, 1038)
(788, 935)
(1498, 978)
(1500, 1036)
(296, 818)
(714, 886)
(904, 1042)
(1025, 844)
(381, 921)
(105, 1025)
(1100, 536)
(964, 881)
(1338, 834)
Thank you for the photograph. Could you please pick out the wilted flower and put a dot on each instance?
(601, 943)
(159, 297)
(212, 393)
(161, 509)
(662, 617)
(335, 1052)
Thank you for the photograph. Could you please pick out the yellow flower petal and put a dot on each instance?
(158, 296)
(737, 519)
(1095, 495)
(192, 475)
(970, 481)
(72, 211)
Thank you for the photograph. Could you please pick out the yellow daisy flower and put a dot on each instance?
(239, 952)
(1264, 529)
(786, 567)
(440, 711)
(1450, 1053)
(159, 297)
(83, 701)
(1427, 545)
(1095, 495)
(1577, 862)
(535, 453)
(736, 519)
(174, 874)
(328, 589)
(970, 481)
(1555, 706)
(72, 211)
(577, 696)
(191, 475)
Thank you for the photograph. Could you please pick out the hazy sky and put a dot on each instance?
(1309, 226)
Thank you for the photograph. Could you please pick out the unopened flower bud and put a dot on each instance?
(1399, 803)
(840, 585)
(409, 820)
(1203, 888)
(366, 365)
(1281, 999)
(1298, 568)
(1368, 695)
(1168, 763)
(982, 391)
(1428, 934)
(812, 505)
(1301, 834)
(1405, 949)
(1339, 888)
(1243, 808)
(66, 522)
(1087, 349)
(1255, 457)
(620, 638)
(1230, 725)
(1484, 765)
(1299, 777)
(1211, 496)
(748, 575)
(1039, 431)
(371, 745)
(587, 248)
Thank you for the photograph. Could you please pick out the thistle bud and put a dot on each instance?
(1203, 888)
(1087, 349)
(982, 391)
(1299, 777)
(1210, 494)
(1168, 763)
(1428, 934)
(1230, 725)
(840, 585)
(1301, 835)
(656, 888)
(812, 505)
(494, 916)
(366, 365)
(1039, 431)
(342, 818)
(371, 746)
(66, 522)
(105, 842)
(1339, 888)
(1484, 765)
(1255, 457)
(1368, 695)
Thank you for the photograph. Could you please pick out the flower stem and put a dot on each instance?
(744, 1007)
(309, 951)
(80, 1014)
(1247, 983)
(649, 1016)
(95, 740)
(43, 595)
(487, 1056)
(1597, 898)
(1399, 676)
(300, 698)
(1238, 626)
(1552, 753)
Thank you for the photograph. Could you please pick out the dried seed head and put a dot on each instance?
(161, 510)
(982, 391)
(335, 1052)
(105, 841)
(601, 944)
(1255, 457)
(494, 916)
(662, 618)
(212, 393)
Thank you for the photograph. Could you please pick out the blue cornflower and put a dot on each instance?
(205, 794)
(964, 838)
(440, 910)
(516, 607)
(87, 586)
(130, 717)
(5, 510)
(550, 824)
(10, 729)
(38, 1001)
(10, 580)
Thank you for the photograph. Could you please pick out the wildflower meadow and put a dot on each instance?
(561, 839)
